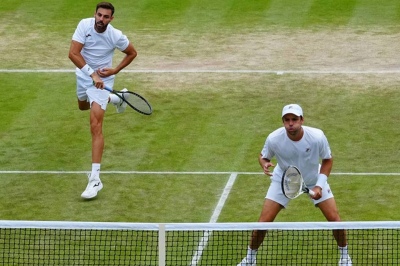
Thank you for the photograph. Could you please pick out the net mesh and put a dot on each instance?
(373, 243)
(30, 246)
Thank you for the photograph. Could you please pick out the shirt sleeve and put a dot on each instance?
(325, 150)
(122, 43)
(267, 152)
(79, 34)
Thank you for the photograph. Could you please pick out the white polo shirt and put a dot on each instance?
(98, 48)
(305, 153)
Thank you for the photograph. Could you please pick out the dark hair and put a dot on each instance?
(105, 5)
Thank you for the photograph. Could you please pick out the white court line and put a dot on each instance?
(222, 199)
(243, 71)
(176, 173)
(214, 218)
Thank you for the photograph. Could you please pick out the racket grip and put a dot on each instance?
(311, 192)
(105, 87)
(108, 89)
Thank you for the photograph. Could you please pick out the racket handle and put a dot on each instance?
(108, 89)
(311, 192)
(105, 87)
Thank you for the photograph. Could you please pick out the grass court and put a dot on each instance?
(217, 74)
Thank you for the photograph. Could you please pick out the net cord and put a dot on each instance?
(200, 226)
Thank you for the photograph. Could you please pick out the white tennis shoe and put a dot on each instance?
(345, 261)
(248, 262)
(93, 187)
(122, 105)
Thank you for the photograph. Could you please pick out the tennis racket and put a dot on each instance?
(134, 100)
(293, 184)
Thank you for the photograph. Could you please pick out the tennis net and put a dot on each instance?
(94, 243)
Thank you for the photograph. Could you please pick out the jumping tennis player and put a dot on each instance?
(92, 49)
(304, 147)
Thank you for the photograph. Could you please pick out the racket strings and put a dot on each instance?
(137, 102)
(292, 184)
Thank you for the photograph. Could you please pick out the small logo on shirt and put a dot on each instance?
(88, 35)
(308, 150)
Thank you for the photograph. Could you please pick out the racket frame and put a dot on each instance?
(120, 95)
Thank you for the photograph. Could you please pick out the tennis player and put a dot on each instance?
(304, 147)
(92, 50)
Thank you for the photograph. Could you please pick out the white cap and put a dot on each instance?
(292, 109)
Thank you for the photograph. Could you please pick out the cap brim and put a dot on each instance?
(293, 113)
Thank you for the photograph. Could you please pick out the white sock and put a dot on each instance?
(114, 99)
(343, 251)
(251, 253)
(95, 174)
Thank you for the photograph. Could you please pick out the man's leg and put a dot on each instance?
(331, 213)
(95, 100)
(83, 105)
(96, 128)
(268, 214)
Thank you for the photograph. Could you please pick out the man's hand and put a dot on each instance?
(318, 192)
(97, 81)
(105, 72)
(266, 167)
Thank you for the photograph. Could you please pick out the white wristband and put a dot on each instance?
(87, 70)
(321, 180)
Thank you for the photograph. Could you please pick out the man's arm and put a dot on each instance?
(130, 54)
(75, 54)
(326, 166)
(78, 60)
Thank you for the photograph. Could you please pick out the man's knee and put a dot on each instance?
(83, 105)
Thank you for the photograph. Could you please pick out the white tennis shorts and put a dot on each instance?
(86, 91)
(275, 193)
